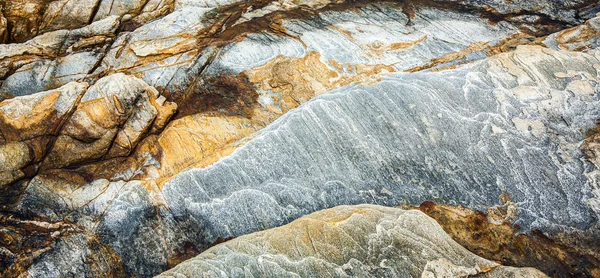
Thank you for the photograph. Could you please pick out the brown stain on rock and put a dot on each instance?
(189, 140)
(217, 112)
(225, 28)
(453, 59)
(579, 38)
(23, 18)
(188, 251)
(486, 236)
(291, 81)
(201, 139)
(225, 93)
(511, 43)
(103, 260)
(23, 240)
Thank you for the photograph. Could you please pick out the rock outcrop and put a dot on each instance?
(492, 235)
(346, 241)
(135, 135)
(75, 124)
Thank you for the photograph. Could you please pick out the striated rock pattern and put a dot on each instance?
(135, 135)
(452, 152)
(347, 241)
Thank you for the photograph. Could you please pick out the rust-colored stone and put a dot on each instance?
(487, 237)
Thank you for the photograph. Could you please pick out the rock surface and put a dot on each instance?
(491, 235)
(144, 132)
(346, 241)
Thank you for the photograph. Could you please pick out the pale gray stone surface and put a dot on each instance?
(455, 137)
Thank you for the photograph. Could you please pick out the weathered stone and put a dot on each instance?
(512, 101)
(491, 235)
(299, 69)
(25, 241)
(27, 125)
(206, 120)
(28, 18)
(53, 59)
(580, 38)
(32, 116)
(346, 241)
(3, 28)
(113, 115)
(204, 204)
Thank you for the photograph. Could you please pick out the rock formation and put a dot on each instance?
(135, 135)
(347, 241)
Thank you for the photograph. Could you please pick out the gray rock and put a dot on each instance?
(511, 124)
(53, 59)
(455, 137)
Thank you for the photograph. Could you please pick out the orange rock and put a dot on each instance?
(112, 118)
(27, 125)
(190, 140)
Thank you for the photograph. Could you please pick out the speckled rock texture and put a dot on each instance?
(135, 135)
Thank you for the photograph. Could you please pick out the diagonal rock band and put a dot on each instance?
(438, 138)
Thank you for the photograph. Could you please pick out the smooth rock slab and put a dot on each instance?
(346, 241)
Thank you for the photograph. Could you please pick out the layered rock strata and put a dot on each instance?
(140, 133)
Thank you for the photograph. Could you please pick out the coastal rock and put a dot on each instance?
(53, 59)
(412, 138)
(152, 130)
(3, 28)
(506, 103)
(346, 241)
(27, 125)
(109, 121)
(75, 124)
(29, 18)
(580, 38)
(491, 235)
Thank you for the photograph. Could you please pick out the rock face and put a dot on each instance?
(431, 136)
(135, 135)
(493, 236)
(75, 124)
(347, 241)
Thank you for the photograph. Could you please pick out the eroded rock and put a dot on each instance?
(28, 125)
(53, 59)
(109, 121)
(346, 241)
(29, 18)
(77, 124)
(491, 235)
(24, 241)
(283, 108)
